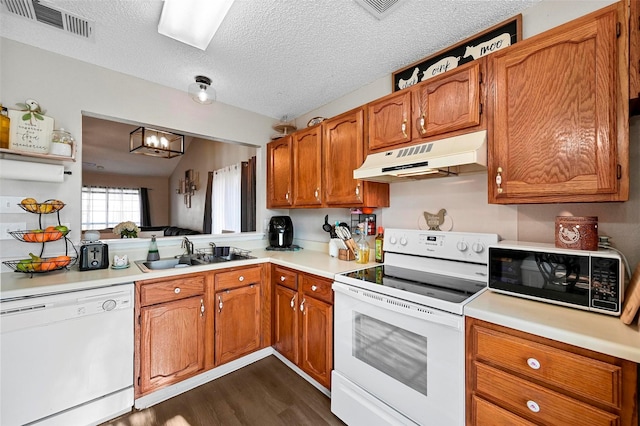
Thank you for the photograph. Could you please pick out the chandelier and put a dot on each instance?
(156, 143)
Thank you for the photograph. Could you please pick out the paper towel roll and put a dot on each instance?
(26, 170)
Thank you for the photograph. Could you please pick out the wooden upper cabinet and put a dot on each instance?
(560, 124)
(448, 102)
(389, 121)
(343, 148)
(634, 53)
(307, 167)
(279, 179)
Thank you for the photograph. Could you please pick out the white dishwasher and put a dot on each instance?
(67, 358)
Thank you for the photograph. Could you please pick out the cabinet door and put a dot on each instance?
(279, 173)
(555, 108)
(307, 167)
(389, 121)
(343, 147)
(237, 322)
(286, 329)
(171, 342)
(448, 103)
(634, 54)
(317, 339)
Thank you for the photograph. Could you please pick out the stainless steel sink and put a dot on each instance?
(186, 261)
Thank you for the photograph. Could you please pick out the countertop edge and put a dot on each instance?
(589, 330)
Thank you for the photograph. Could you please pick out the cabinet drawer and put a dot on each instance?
(550, 365)
(317, 287)
(484, 413)
(174, 289)
(238, 278)
(536, 403)
(285, 277)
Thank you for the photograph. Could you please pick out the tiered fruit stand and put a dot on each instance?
(43, 236)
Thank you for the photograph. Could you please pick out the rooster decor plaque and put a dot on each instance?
(435, 220)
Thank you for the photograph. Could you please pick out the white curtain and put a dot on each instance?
(225, 199)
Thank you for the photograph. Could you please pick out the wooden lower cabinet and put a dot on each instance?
(237, 313)
(303, 321)
(170, 331)
(515, 378)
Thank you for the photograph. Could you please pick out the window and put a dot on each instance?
(106, 207)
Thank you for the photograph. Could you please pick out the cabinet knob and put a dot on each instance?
(499, 180)
(533, 363)
(282, 278)
(404, 128)
(314, 287)
(176, 290)
(240, 278)
(533, 406)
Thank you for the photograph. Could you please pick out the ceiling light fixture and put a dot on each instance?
(193, 22)
(201, 91)
(156, 143)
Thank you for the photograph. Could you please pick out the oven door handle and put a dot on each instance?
(397, 305)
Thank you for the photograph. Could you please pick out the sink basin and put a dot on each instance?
(186, 261)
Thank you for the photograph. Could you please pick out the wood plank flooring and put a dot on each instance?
(264, 393)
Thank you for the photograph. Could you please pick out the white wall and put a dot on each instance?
(66, 87)
(465, 198)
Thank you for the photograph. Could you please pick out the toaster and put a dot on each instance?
(94, 255)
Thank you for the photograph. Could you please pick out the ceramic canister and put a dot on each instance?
(577, 232)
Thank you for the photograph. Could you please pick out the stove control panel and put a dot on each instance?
(463, 246)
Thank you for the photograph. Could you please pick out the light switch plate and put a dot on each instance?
(5, 228)
(10, 205)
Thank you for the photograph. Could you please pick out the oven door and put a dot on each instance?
(405, 356)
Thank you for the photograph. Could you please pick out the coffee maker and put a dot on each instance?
(280, 232)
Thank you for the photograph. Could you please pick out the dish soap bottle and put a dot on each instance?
(362, 252)
(153, 253)
(378, 245)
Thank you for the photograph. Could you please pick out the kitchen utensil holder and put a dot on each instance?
(346, 255)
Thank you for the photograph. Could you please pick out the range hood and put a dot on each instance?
(445, 157)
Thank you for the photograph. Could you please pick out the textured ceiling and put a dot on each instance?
(274, 57)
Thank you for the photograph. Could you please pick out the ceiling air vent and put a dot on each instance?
(380, 8)
(45, 13)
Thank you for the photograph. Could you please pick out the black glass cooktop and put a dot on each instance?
(438, 286)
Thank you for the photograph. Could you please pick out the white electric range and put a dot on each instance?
(399, 329)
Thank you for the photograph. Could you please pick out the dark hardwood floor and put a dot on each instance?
(264, 393)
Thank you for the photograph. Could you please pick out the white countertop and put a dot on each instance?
(597, 332)
(18, 284)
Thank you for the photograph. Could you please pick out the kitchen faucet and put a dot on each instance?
(188, 245)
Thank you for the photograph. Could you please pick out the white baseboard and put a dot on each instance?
(302, 374)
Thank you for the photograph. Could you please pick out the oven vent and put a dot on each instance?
(47, 13)
(398, 303)
(373, 296)
(380, 9)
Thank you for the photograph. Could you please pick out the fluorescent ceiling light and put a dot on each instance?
(193, 22)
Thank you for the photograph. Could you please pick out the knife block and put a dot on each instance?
(344, 254)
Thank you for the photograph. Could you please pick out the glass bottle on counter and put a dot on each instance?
(362, 252)
(153, 253)
(379, 252)
(4, 127)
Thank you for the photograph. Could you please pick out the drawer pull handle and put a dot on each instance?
(282, 278)
(314, 287)
(176, 290)
(240, 278)
(533, 363)
(533, 406)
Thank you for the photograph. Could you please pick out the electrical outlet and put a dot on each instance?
(5, 228)
(10, 205)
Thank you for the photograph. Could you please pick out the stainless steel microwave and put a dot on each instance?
(589, 280)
